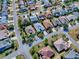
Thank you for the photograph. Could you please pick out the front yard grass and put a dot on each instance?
(20, 57)
(73, 33)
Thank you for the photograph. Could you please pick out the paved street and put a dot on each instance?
(61, 31)
(24, 48)
(18, 52)
(70, 38)
(38, 41)
(21, 46)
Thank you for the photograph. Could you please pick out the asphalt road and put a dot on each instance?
(23, 49)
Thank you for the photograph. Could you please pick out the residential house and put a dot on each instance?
(56, 22)
(29, 30)
(46, 53)
(39, 27)
(4, 8)
(48, 14)
(76, 4)
(61, 45)
(57, 14)
(41, 16)
(3, 20)
(63, 11)
(76, 14)
(33, 18)
(32, 7)
(21, 2)
(38, 4)
(4, 13)
(22, 6)
(47, 5)
(57, 11)
(30, 2)
(47, 24)
(3, 34)
(5, 44)
(63, 20)
(69, 10)
(71, 17)
(72, 55)
(75, 9)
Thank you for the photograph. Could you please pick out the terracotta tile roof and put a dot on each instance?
(47, 23)
(46, 51)
(3, 27)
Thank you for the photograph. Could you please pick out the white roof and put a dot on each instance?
(39, 27)
(3, 34)
(5, 43)
(60, 44)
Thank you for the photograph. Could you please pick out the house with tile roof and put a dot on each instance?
(46, 53)
(48, 14)
(61, 45)
(2, 27)
(47, 24)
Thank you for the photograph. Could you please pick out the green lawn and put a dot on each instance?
(73, 33)
(2, 55)
(0, 2)
(20, 57)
